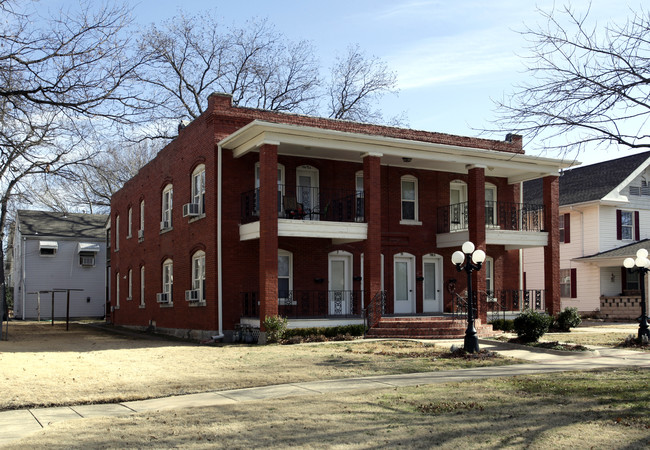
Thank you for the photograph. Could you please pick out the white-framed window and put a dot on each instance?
(129, 224)
(198, 274)
(409, 190)
(568, 283)
(142, 286)
(87, 259)
(117, 232)
(48, 248)
(490, 204)
(130, 285)
(358, 183)
(627, 225)
(168, 279)
(198, 187)
(141, 231)
(117, 290)
(285, 276)
(167, 203)
(280, 188)
(488, 266)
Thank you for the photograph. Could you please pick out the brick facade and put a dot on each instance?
(252, 265)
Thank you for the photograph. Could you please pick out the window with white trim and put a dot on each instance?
(117, 233)
(168, 279)
(117, 290)
(129, 223)
(409, 198)
(167, 202)
(358, 182)
(198, 274)
(130, 292)
(141, 233)
(142, 286)
(488, 266)
(280, 188)
(627, 225)
(198, 187)
(490, 204)
(285, 277)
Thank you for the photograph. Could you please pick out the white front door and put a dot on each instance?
(404, 302)
(431, 291)
(340, 284)
(307, 189)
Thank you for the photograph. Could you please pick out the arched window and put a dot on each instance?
(168, 280)
(198, 187)
(409, 198)
(198, 274)
(167, 201)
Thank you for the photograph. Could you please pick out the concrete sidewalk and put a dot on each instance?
(19, 423)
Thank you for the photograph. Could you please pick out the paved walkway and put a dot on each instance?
(19, 423)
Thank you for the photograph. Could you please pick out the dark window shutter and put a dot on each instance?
(574, 289)
(619, 225)
(567, 228)
(637, 232)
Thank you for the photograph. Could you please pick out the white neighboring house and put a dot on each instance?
(55, 251)
(604, 217)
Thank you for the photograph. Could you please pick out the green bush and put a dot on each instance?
(503, 324)
(329, 332)
(276, 327)
(531, 325)
(567, 319)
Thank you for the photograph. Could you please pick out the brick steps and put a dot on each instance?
(434, 327)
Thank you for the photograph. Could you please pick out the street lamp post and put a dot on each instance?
(641, 265)
(473, 261)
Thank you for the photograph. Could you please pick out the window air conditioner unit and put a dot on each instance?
(190, 209)
(164, 225)
(87, 261)
(192, 296)
(162, 297)
(140, 234)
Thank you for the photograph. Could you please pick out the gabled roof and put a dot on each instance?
(588, 183)
(58, 224)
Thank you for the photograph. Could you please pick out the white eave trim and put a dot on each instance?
(257, 133)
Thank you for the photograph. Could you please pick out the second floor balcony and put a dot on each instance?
(305, 211)
(516, 225)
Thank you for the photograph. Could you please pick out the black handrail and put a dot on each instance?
(498, 215)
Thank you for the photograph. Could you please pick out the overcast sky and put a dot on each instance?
(452, 57)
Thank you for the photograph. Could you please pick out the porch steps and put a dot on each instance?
(426, 327)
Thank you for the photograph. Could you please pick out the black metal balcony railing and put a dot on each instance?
(308, 304)
(500, 302)
(308, 203)
(498, 215)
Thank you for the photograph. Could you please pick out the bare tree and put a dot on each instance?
(62, 78)
(93, 182)
(191, 57)
(357, 83)
(590, 84)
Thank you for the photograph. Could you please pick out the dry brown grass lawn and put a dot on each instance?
(596, 410)
(42, 365)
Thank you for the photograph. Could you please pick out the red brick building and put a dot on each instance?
(250, 213)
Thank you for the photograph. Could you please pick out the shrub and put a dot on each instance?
(567, 319)
(503, 324)
(276, 327)
(328, 332)
(531, 325)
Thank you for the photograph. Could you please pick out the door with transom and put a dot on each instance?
(340, 284)
(404, 283)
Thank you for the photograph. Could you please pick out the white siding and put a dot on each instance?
(534, 267)
(62, 271)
